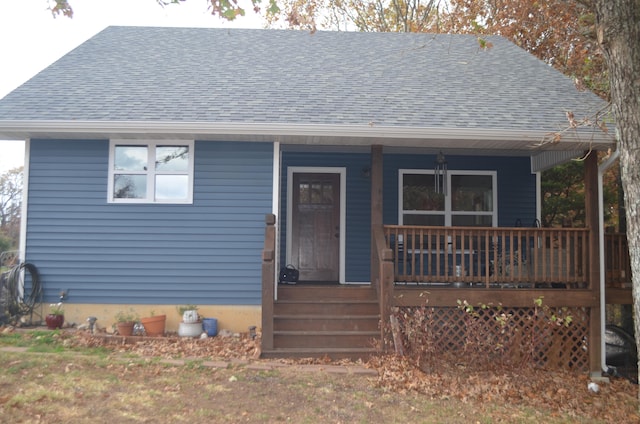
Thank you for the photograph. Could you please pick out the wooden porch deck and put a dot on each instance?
(415, 265)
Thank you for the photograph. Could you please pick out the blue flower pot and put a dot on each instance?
(210, 326)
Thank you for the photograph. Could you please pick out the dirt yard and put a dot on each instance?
(75, 378)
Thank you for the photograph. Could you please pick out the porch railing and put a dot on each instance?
(617, 262)
(489, 256)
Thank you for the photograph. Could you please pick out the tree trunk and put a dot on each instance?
(618, 29)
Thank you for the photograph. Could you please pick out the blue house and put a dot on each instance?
(155, 154)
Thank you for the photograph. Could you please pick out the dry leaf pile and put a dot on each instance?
(562, 391)
(237, 347)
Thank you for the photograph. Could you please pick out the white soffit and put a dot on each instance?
(551, 158)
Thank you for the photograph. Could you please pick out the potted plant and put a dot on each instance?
(154, 324)
(55, 317)
(188, 313)
(125, 321)
(191, 324)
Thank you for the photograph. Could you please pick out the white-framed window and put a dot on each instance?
(144, 171)
(470, 200)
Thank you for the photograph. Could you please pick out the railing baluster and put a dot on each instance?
(500, 257)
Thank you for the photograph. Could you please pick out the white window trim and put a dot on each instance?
(448, 213)
(151, 174)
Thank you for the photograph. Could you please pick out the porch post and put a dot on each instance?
(592, 217)
(268, 281)
(376, 202)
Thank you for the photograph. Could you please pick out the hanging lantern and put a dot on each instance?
(440, 174)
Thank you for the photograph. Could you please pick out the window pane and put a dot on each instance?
(430, 220)
(327, 194)
(471, 220)
(418, 193)
(129, 186)
(172, 158)
(303, 190)
(471, 193)
(130, 158)
(316, 193)
(172, 187)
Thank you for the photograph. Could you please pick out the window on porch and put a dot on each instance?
(470, 201)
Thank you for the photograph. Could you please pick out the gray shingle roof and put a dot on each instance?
(289, 77)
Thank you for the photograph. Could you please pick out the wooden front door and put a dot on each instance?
(315, 242)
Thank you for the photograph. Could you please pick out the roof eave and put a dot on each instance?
(318, 134)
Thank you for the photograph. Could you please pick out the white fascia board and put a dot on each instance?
(49, 129)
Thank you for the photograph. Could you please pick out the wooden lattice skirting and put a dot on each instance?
(553, 338)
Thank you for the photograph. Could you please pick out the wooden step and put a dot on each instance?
(302, 292)
(325, 307)
(324, 339)
(331, 353)
(326, 322)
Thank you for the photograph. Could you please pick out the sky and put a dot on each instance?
(31, 38)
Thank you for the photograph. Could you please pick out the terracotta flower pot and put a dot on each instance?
(54, 321)
(154, 326)
(125, 328)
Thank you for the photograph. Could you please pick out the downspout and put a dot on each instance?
(602, 168)
(275, 209)
(22, 246)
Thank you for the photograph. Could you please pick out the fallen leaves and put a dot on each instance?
(561, 391)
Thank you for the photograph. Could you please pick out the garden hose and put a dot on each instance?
(16, 306)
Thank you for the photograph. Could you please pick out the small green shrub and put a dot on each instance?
(127, 316)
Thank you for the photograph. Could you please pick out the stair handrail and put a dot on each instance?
(268, 281)
(382, 278)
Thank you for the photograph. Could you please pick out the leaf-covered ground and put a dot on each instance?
(561, 391)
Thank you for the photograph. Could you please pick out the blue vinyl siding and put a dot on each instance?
(208, 252)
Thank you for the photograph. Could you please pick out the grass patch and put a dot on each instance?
(12, 339)
(48, 341)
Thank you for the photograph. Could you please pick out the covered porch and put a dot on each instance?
(509, 266)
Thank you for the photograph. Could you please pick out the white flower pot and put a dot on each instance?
(190, 329)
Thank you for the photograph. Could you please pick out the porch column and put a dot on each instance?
(592, 218)
(376, 202)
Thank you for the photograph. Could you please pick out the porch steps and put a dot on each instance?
(325, 321)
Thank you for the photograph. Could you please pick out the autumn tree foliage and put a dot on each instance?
(560, 32)
(10, 206)
(360, 15)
